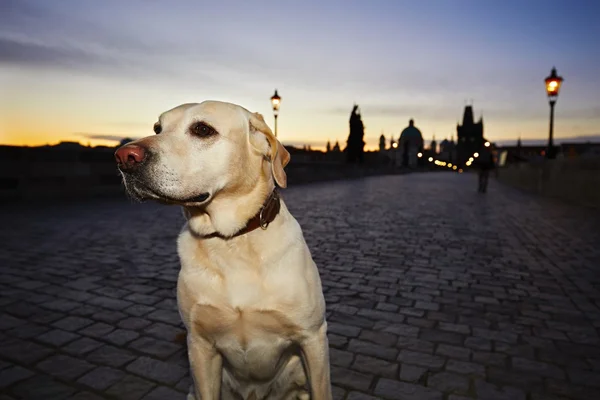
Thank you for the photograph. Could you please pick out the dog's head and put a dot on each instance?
(200, 150)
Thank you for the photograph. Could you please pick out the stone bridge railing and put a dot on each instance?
(573, 180)
(26, 179)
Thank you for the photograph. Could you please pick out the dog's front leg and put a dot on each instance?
(316, 358)
(206, 367)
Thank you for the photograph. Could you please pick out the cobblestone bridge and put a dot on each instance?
(433, 291)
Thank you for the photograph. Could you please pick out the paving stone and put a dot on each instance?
(539, 368)
(131, 387)
(477, 343)
(350, 379)
(98, 330)
(134, 323)
(109, 303)
(511, 377)
(120, 337)
(396, 328)
(163, 331)
(394, 390)
(465, 368)
(410, 343)
(162, 393)
(489, 391)
(343, 330)
(184, 384)
(411, 373)
(360, 396)
(375, 366)
(14, 374)
(371, 349)
(82, 346)
(457, 352)
(340, 358)
(421, 359)
(64, 367)
(111, 356)
(85, 396)
(488, 358)
(109, 317)
(437, 336)
(382, 338)
(154, 347)
(584, 377)
(28, 331)
(139, 310)
(156, 370)
(57, 337)
(61, 305)
(448, 382)
(72, 324)
(168, 317)
(101, 378)
(22, 351)
(507, 337)
(337, 340)
(42, 387)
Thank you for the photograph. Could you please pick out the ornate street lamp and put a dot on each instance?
(275, 101)
(553, 83)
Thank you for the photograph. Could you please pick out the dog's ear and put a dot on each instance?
(279, 156)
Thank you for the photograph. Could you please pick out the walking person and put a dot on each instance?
(484, 163)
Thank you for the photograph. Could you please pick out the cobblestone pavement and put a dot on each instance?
(433, 290)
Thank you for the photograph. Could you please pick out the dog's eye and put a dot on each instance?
(157, 128)
(202, 129)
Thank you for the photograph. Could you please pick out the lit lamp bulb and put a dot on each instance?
(430, 159)
(476, 155)
(419, 155)
(487, 144)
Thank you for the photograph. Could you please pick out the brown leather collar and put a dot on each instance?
(262, 219)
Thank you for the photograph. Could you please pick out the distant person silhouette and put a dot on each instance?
(484, 163)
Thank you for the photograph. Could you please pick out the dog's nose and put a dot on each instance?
(130, 156)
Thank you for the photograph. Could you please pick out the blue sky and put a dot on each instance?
(94, 70)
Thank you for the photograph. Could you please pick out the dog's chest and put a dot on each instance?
(249, 324)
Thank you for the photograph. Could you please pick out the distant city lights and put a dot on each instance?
(455, 167)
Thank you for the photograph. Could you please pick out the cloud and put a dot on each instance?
(416, 111)
(14, 51)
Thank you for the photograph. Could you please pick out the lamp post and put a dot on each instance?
(553, 83)
(275, 101)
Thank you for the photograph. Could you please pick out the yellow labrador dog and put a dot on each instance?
(249, 292)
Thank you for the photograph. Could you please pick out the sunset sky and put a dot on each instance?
(92, 71)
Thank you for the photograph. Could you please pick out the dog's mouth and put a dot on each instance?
(143, 192)
(195, 200)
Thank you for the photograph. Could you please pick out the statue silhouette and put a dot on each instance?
(355, 143)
